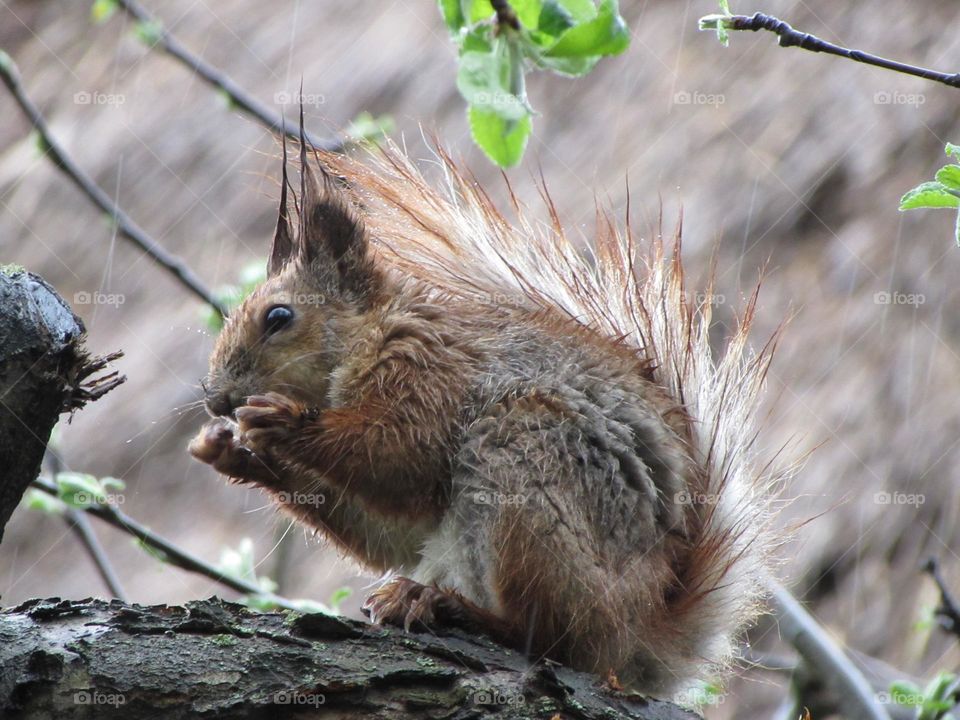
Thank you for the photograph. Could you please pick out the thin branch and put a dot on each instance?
(794, 38)
(126, 226)
(823, 656)
(948, 611)
(221, 81)
(80, 525)
(171, 553)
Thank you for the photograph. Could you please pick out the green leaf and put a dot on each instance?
(606, 34)
(102, 10)
(953, 150)
(554, 19)
(484, 80)
(338, 596)
(503, 141)
(904, 692)
(79, 490)
(44, 502)
(929, 195)
(149, 32)
(528, 12)
(452, 15)
(580, 10)
(477, 10)
(949, 176)
(367, 128)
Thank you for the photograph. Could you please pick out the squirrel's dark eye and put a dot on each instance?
(277, 318)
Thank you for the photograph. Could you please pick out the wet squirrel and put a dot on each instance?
(538, 443)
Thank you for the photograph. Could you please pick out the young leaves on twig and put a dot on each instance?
(942, 192)
(500, 42)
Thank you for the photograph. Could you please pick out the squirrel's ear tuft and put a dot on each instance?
(332, 240)
(282, 249)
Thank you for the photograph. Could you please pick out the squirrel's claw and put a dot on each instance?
(413, 606)
(217, 445)
(266, 420)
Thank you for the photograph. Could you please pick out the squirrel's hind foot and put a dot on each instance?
(414, 606)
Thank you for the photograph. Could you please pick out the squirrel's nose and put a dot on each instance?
(221, 404)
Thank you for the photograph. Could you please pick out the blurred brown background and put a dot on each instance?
(782, 159)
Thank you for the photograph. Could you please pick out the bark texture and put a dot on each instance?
(214, 659)
(44, 371)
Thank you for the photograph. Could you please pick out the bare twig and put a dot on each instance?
(171, 553)
(127, 227)
(948, 611)
(218, 79)
(823, 655)
(80, 525)
(794, 38)
(505, 14)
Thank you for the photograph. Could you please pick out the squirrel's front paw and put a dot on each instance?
(267, 422)
(217, 444)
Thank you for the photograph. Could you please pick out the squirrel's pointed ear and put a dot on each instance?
(332, 238)
(282, 249)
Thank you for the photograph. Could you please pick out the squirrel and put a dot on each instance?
(529, 440)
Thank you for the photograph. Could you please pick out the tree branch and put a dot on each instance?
(216, 78)
(215, 659)
(948, 611)
(824, 657)
(172, 554)
(788, 37)
(127, 227)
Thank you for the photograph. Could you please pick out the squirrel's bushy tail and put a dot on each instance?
(457, 243)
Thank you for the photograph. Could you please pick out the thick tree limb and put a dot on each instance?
(44, 371)
(90, 658)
